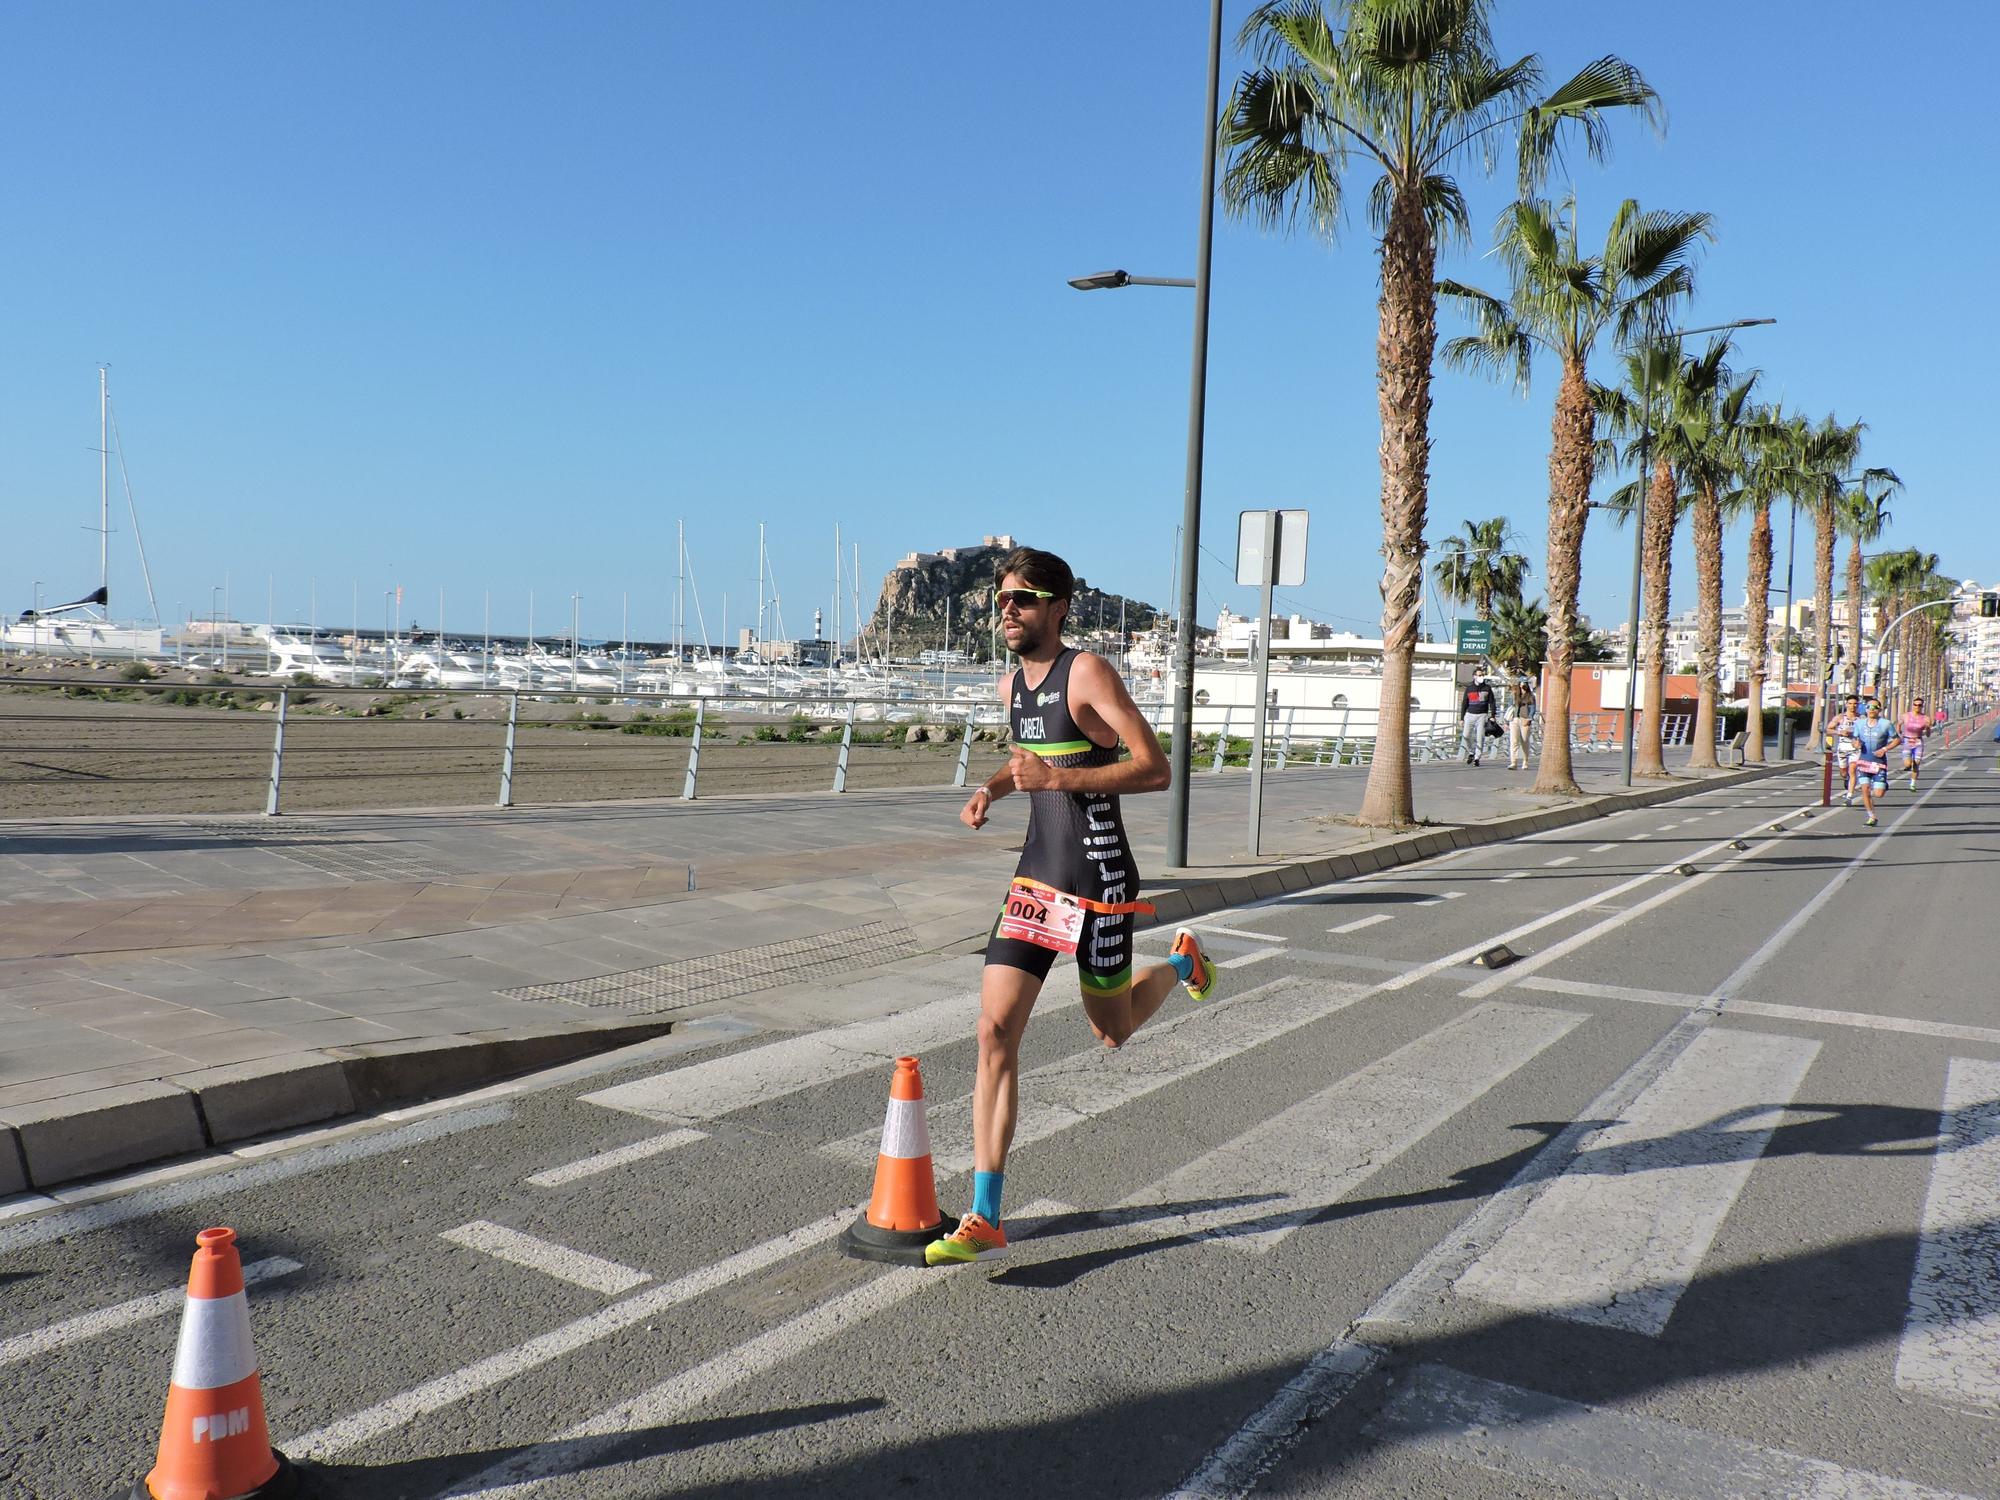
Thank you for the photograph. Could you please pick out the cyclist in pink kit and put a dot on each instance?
(1914, 726)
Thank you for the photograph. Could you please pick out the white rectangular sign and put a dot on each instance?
(1250, 529)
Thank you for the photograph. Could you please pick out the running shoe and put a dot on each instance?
(974, 1239)
(1871, 821)
(1202, 985)
(1913, 783)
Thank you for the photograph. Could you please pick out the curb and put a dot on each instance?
(107, 1130)
(1178, 903)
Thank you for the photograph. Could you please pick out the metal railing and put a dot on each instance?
(196, 747)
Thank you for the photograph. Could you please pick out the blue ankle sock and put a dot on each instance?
(986, 1195)
(1183, 965)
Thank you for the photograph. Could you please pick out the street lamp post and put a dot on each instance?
(1183, 712)
(1639, 510)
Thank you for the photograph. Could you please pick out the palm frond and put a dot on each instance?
(1500, 348)
(1606, 84)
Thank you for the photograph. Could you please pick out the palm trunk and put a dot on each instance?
(1708, 623)
(1854, 617)
(1658, 553)
(1406, 334)
(1570, 446)
(1822, 611)
(1756, 645)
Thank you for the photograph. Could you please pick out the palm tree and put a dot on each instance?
(1414, 87)
(1520, 637)
(1902, 581)
(1715, 431)
(1770, 471)
(1828, 453)
(1562, 301)
(1673, 392)
(1864, 516)
(1477, 568)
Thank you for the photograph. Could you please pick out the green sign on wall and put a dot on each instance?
(1475, 637)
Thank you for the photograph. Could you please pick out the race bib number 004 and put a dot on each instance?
(1047, 923)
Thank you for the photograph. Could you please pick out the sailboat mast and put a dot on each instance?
(834, 649)
(680, 591)
(104, 484)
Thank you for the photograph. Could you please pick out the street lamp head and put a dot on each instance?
(1102, 281)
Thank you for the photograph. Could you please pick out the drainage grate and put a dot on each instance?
(742, 971)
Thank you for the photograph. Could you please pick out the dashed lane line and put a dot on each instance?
(1164, 1054)
(61, 1223)
(1360, 922)
(580, 1446)
(495, 1369)
(1601, 848)
(105, 1320)
(622, 1156)
(1769, 1010)
(560, 1261)
(1441, 897)
(1236, 932)
(1567, 859)
(1243, 960)
(1747, 970)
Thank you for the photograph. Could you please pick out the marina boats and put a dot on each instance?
(84, 627)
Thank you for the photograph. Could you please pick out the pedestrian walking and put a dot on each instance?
(1475, 711)
(1520, 720)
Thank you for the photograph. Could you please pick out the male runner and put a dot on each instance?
(1068, 711)
(1915, 728)
(1845, 746)
(1871, 765)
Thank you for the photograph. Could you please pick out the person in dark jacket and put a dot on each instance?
(1475, 709)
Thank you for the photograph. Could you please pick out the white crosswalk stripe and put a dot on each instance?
(1547, 1441)
(1615, 1239)
(1315, 1153)
(695, 1095)
(1060, 1094)
(1951, 1341)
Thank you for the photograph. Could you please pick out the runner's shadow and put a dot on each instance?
(427, 1476)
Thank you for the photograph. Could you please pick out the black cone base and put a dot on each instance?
(286, 1484)
(898, 1247)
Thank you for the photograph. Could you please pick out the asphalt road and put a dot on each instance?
(1699, 1197)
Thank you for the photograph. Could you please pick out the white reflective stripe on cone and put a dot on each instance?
(906, 1130)
(215, 1348)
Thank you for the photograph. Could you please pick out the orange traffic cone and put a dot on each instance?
(902, 1214)
(214, 1444)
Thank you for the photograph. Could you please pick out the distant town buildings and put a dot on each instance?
(917, 560)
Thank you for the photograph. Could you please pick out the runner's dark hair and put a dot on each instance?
(1039, 570)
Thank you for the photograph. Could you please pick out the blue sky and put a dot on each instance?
(484, 297)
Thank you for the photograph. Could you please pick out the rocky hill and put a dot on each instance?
(910, 615)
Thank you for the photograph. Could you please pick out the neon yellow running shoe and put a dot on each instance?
(1202, 985)
(974, 1239)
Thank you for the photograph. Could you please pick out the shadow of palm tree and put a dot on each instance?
(1777, 1314)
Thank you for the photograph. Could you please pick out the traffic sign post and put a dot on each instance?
(1270, 550)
